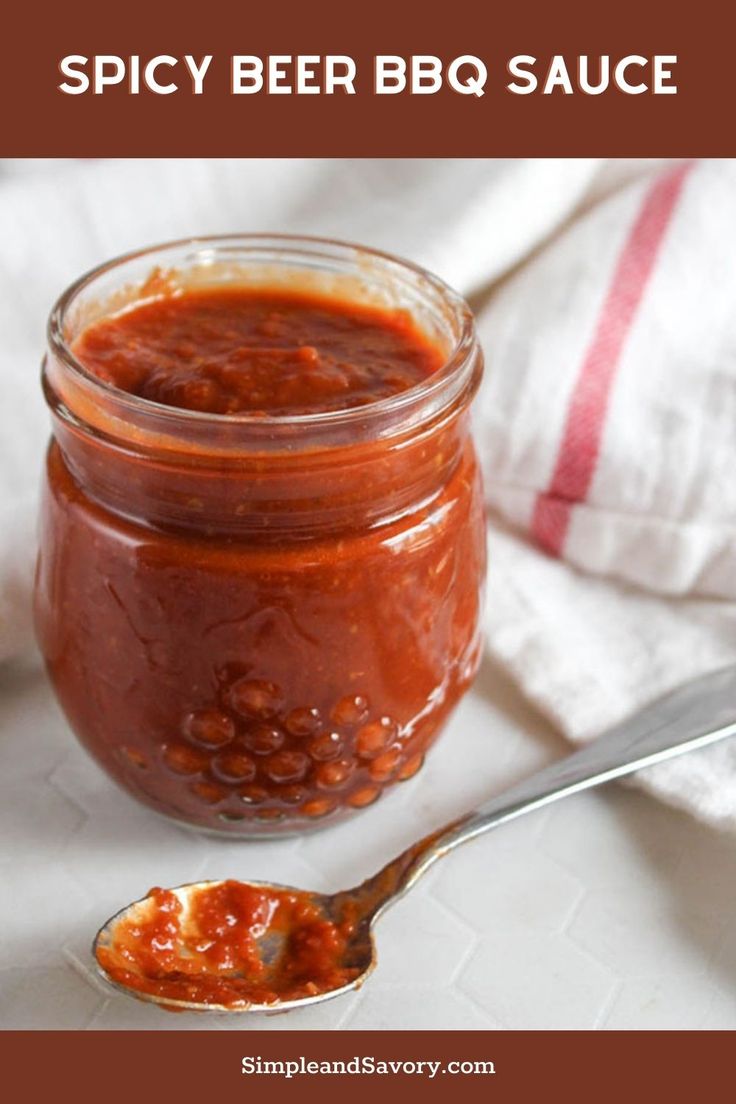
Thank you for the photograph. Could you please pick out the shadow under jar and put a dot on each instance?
(256, 624)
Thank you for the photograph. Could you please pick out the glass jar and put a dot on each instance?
(258, 624)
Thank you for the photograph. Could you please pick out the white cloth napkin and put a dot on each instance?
(604, 424)
(608, 432)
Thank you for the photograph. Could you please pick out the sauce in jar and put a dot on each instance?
(238, 350)
(262, 552)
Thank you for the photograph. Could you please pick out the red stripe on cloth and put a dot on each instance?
(581, 438)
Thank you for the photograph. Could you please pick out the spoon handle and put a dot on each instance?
(699, 713)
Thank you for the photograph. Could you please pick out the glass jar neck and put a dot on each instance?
(246, 474)
(301, 489)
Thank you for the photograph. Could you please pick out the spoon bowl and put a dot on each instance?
(358, 957)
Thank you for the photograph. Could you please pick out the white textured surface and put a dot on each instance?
(607, 910)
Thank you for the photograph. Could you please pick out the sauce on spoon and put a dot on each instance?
(229, 944)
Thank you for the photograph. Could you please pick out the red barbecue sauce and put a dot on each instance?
(250, 640)
(217, 953)
(238, 351)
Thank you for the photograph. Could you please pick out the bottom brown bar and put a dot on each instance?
(360, 1066)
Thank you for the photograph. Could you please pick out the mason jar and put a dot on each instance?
(257, 625)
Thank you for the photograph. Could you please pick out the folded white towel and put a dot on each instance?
(607, 426)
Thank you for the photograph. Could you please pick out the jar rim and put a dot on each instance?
(427, 392)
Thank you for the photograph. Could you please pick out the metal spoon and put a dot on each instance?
(700, 713)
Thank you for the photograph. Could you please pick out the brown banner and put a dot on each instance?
(201, 1066)
(637, 113)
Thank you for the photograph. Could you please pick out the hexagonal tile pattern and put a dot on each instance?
(52, 997)
(514, 885)
(611, 838)
(393, 1008)
(656, 940)
(420, 942)
(606, 910)
(721, 1014)
(32, 928)
(664, 1002)
(533, 981)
